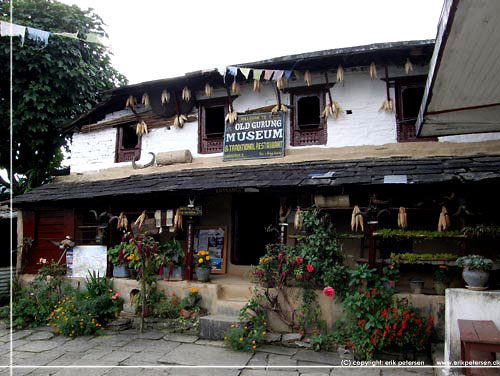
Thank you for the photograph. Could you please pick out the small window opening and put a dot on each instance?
(130, 138)
(214, 121)
(412, 98)
(308, 111)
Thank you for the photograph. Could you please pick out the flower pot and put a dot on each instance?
(176, 274)
(416, 286)
(120, 271)
(440, 287)
(202, 274)
(475, 278)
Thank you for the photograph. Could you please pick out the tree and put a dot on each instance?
(51, 85)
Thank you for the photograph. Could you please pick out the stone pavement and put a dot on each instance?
(155, 351)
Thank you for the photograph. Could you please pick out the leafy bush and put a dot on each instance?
(71, 319)
(163, 306)
(475, 262)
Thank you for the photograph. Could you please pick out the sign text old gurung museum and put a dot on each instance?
(255, 136)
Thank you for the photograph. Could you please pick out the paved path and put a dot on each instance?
(157, 348)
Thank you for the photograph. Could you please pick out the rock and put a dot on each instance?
(214, 327)
(272, 337)
(41, 335)
(120, 325)
(291, 337)
(196, 355)
(303, 344)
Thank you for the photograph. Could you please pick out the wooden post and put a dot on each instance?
(372, 254)
(143, 287)
(283, 233)
(188, 272)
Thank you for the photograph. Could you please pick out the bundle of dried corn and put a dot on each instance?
(279, 108)
(340, 74)
(138, 222)
(256, 85)
(298, 220)
(208, 90)
(387, 106)
(408, 66)
(231, 117)
(357, 220)
(308, 78)
(179, 120)
(373, 71)
(141, 128)
(131, 102)
(178, 220)
(235, 87)
(186, 94)
(165, 96)
(145, 100)
(444, 220)
(402, 223)
(122, 222)
(281, 83)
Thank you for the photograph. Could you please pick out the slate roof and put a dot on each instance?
(351, 172)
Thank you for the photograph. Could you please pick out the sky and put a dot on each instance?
(153, 39)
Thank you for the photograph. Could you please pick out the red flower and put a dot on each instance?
(428, 329)
(374, 291)
(300, 260)
(399, 334)
(391, 267)
(394, 310)
(360, 291)
(385, 333)
(182, 311)
(280, 256)
(387, 327)
(363, 282)
(368, 294)
(310, 268)
(392, 283)
(384, 312)
(329, 291)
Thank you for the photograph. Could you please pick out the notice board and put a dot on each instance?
(255, 136)
(214, 240)
(85, 258)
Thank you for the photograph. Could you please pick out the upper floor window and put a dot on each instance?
(409, 95)
(128, 144)
(307, 127)
(212, 123)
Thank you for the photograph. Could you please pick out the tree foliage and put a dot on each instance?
(50, 86)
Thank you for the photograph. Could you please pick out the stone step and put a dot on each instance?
(214, 327)
(235, 292)
(228, 307)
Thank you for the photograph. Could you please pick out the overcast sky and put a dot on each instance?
(159, 39)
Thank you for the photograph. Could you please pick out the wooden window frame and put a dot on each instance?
(307, 135)
(206, 144)
(126, 154)
(405, 128)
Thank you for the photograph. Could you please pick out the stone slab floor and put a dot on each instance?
(156, 352)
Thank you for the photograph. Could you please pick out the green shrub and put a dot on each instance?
(70, 319)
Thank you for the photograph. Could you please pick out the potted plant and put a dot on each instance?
(118, 257)
(441, 280)
(170, 259)
(203, 266)
(416, 285)
(475, 271)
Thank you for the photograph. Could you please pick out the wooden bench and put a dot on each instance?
(479, 337)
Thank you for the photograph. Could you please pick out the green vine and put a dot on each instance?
(412, 258)
(390, 233)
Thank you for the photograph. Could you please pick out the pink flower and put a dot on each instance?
(118, 294)
(283, 274)
(310, 268)
(392, 283)
(110, 290)
(329, 291)
(113, 297)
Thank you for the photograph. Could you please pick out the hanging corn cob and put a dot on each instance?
(235, 87)
(298, 221)
(165, 96)
(281, 83)
(444, 220)
(145, 100)
(373, 71)
(131, 102)
(186, 94)
(231, 117)
(141, 128)
(340, 74)
(178, 220)
(388, 105)
(308, 78)
(402, 223)
(357, 220)
(122, 222)
(256, 85)
(208, 90)
(408, 66)
(179, 120)
(138, 222)
(280, 106)
(332, 109)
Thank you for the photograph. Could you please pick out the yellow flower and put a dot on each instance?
(443, 266)
(263, 333)
(254, 347)
(241, 339)
(194, 289)
(200, 260)
(207, 258)
(65, 319)
(246, 328)
(253, 342)
(225, 338)
(265, 323)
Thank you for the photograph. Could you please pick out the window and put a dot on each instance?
(306, 124)
(128, 144)
(212, 123)
(408, 99)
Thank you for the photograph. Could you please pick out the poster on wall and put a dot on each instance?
(212, 239)
(255, 136)
(85, 258)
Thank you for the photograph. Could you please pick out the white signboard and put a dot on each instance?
(87, 258)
